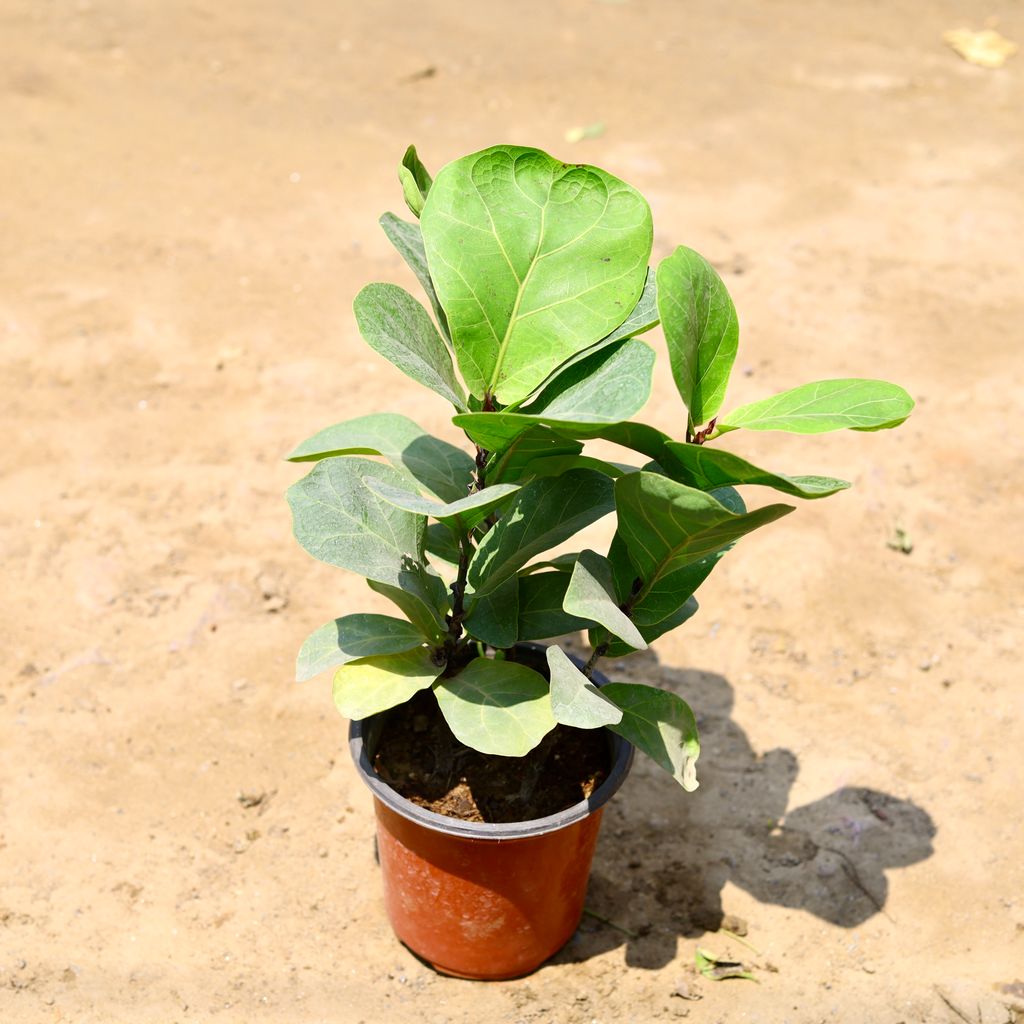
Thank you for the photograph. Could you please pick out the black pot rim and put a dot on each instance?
(622, 760)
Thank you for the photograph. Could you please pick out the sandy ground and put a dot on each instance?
(188, 197)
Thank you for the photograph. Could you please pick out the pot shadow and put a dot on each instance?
(662, 860)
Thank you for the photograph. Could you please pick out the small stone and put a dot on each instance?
(734, 924)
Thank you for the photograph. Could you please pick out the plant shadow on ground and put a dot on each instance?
(664, 856)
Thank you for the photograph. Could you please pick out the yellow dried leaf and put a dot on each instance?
(987, 48)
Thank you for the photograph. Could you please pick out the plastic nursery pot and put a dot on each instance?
(483, 900)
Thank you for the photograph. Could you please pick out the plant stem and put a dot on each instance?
(599, 652)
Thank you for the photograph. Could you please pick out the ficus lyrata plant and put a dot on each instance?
(536, 273)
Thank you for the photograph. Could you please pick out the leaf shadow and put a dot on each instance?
(664, 856)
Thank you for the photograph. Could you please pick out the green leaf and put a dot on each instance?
(591, 595)
(464, 514)
(494, 617)
(408, 240)
(440, 467)
(660, 724)
(442, 543)
(523, 451)
(575, 700)
(701, 330)
(395, 325)
(707, 468)
(556, 465)
(649, 631)
(497, 707)
(533, 260)
(426, 610)
(339, 520)
(643, 318)
(544, 513)
(351, 637)
(541, 615)
(825, 405)
(562, 563)
(667, 526)
(370, 685)
(415, 181)
(606, 387)
(495, 430)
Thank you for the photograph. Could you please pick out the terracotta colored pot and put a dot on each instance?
(482, 900)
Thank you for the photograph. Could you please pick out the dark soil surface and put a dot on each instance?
(421, 759)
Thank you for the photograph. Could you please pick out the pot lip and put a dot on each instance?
(622, 760)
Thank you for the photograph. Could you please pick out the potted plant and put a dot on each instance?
(490, 757)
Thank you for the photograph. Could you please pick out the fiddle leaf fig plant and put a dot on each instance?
(538, 280)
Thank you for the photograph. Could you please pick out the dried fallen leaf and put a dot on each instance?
(987, 48)
(718, 970)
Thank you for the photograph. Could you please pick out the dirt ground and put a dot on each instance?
(188, 203)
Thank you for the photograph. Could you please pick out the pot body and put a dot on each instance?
(478, 899)
(484, 908)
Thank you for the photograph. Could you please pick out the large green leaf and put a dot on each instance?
(493, 617)
(497, 707)
(424, 606)
(495, 430)
(591, 595)
(701, 330)
(369, 685)
(351, 637)
(544, 513)
(463, 514)
(414, 179)
(394, 324)
(541, 615)
(339, 520)
(660, 724)
(575, 700)
(533, 260)
(440, 467)
(556, 465)
(706, 468)
(607, 387)
(825, 405)
(667, 526)
(442, 543)
(533, 443)
(408, 240)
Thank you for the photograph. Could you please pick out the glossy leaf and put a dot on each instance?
(396, 326)
(607, 387)
(514, 462)
(464, 514)
(544, 513)
(351, 637)
(424, 606)
(575, 700)
(706, 468)
(497, 707)
(493, 617)
(556, 465)
(825, 405)
(667, 526)
(660, 724)
(495, 430)
(415, 181)
(533, 260)
(408, 240)
(701, 330)
(591, 595)
(438, 466)
(541, 615)
(370, 685)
